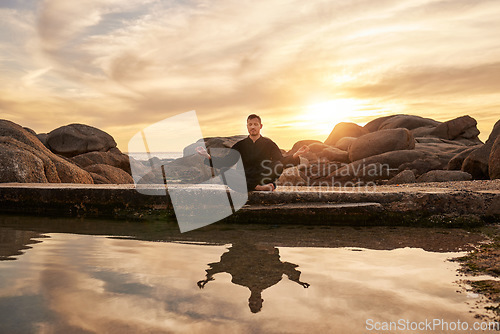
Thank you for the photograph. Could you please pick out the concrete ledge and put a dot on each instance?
(459, 203)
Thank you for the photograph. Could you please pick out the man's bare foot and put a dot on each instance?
(267, 187)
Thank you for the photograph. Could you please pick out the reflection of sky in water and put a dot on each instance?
(80, 284)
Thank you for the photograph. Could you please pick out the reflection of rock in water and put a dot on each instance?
(12, 242)
(255, 267)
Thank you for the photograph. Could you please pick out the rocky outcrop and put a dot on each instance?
(345, 129)
(379, 167)
(477, 161)
(114, 157)
(457, 160)
(106, 174)
(19, 165)
(406, 176)
(422, 165)
(409, 122)
(444, 149)
(344, 143)
(380, 142)
(444, 176)
(55, 169)
(333, 154)
(75, 139)
(292, 177)
(494, 160)
(462, 126)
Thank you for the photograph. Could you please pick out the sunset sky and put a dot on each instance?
(122, 65)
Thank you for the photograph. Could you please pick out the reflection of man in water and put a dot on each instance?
(256, 268)
(262, 159)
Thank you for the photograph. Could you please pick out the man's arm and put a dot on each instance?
(288, 161)
(226, 161)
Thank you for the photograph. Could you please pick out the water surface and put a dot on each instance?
(231, 279)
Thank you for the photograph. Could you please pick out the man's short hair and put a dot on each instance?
(252, 116)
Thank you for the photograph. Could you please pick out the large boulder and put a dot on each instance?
(406, 176)
(423, 165)
(379, 142)
(333, 154)
(55, 168)
(457, 160)
(18, 165)
(409, 122)
(477, 161)
(114, 157)
(75, 139)
(48, 167)
(444, 176)
(344, 143)
(494, 160)
(374, 124)
(345, 129)
(464, 125)
(444, 149)
(108, 174)
(317, 147)
(386, 166)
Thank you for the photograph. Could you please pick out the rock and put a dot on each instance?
(317, 147)
(190, 169)
(344, 143)
(292, 177)
(48, 167)
(319, 170)
(18, 165)
(75, 139)
(43, 138)
(445, 150)
(334, 154)
(423, 165)
(374, 125)
(444, 176)
(389, 160)
(470, 133)
(409, 122)
(456, 127)
(30, 130)
(213, 142)
(345, 129)
(311, 157)
(56, 169)
(109, 174)
(477, 161)
(422, 131)
(406, 176)
(98, 179)
(380, 142)
(494, 160)
(301, 143)
(457, 160)
(114, 157)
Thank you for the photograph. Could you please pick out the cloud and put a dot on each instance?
(121, 63)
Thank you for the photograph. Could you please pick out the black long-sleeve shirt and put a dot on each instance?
(259, 158)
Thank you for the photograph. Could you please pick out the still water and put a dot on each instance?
(74, 276)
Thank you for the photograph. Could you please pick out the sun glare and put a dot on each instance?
(323, 116)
